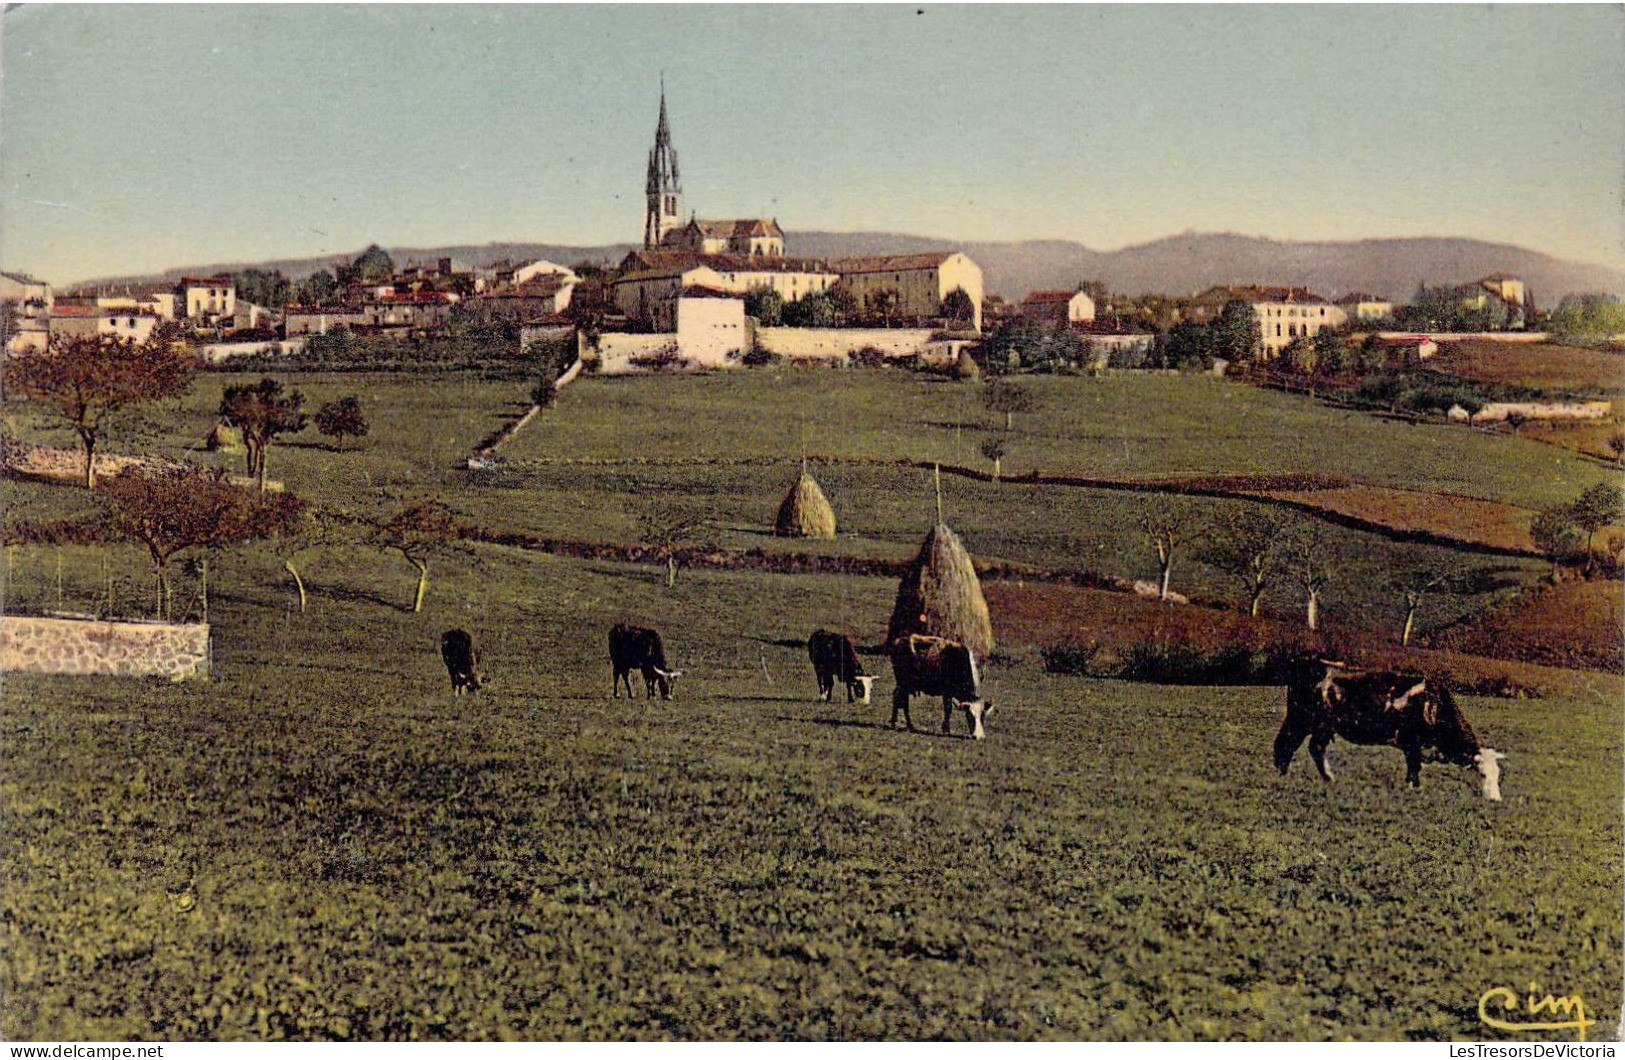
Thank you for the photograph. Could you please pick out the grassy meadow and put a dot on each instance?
(322, 843)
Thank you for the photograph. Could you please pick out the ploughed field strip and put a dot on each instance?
(325, 842)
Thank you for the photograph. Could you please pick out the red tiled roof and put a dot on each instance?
(892, 262)
(1106, 327)
(220, 280)
(1049, 296)
(1261, 294)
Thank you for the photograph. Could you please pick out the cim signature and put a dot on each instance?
(1533, 1005)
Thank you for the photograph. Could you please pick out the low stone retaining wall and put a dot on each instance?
(93, 646)
(67, 466)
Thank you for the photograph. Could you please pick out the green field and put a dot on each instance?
(372, 858)
(322, 843)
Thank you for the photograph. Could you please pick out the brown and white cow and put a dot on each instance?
(1416, 714)
(636, 648)
(834, 659)
(934, 666)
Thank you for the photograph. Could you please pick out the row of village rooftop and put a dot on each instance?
(693, 303)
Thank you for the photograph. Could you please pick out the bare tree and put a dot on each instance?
(1170, 524)
(666, 527)
(419, 532)
(175, 510)
(87, 379)
(1306, 564)
(1246, 543)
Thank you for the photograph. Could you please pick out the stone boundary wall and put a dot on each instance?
(1497, 411)
(1462, 336)
(216, 352)
(617, 350)
(482, 455)
(93, 646)
(67, 466)
(836, 343)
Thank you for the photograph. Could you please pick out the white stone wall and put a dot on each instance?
(711, 331)
(831, 343)
(91, 646)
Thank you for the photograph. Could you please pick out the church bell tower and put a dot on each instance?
(663, 188)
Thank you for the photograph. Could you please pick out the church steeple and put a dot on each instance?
(663, 186)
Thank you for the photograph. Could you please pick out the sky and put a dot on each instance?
(139, 138)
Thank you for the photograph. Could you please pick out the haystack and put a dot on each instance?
(224, 439)
(941, 595)
(966, 369)
(805, 511)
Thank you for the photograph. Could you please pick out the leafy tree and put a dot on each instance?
(419, 532)
(766, 305)
(262, 412)
(843, 301)
(262, 288)
(994, 448)
(1245, 544)
(958, 307)
(544, 393)
(373, 265)
(320, 288)
(342, 418)
(1597, 507)
(1332, 355)
(1168, 525)
(1616, 443)
(1235, 333)
(1588, 318)
(86, 380)
(1516, 421)
(1006, 397)
(813, 310)
(884, 303)
(1554, 533)
(175, 510)
(1189, 346)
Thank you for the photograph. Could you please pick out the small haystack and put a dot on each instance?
(941, 595)
(966, 369)
(224, 439)
(805, 511)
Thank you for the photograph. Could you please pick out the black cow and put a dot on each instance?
(834, 658)
(934, 666)
(1411, 712)
(462, 661)
(635, 648)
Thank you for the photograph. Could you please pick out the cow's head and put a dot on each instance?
(975, 711)
(861, 687)
(1488, 761)
(666, 678)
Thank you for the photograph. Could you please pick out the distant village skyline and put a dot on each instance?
(310, 132)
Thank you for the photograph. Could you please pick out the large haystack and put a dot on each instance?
(941, 595)
(224, 439)
(805, 511)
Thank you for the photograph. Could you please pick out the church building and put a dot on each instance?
(663, 228)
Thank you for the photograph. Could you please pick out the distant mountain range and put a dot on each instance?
(1178, 265)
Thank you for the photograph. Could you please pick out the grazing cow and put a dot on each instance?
(1412, 713)
(834, 657)
(934, 666)
(635, 648)
(462, 661)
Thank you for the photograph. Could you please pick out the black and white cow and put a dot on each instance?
(1411, 712)
(834, 659)
(462, 660)
(934, 666)
(636, 648)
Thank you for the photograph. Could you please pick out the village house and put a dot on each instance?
(23, 295)
(651, 280)
(1360, 306)
(1106, 337)
(205, 298)
(84, 319)
(914, 284)
(319, 320)
(1283, 313)
(544, 294)
(1505, 296)
(1058, 307)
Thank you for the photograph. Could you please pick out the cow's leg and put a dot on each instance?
(1317, 750)
(1413, 764)
(899, 704)
(947, 714)
(615, 686)
(1294, 730)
